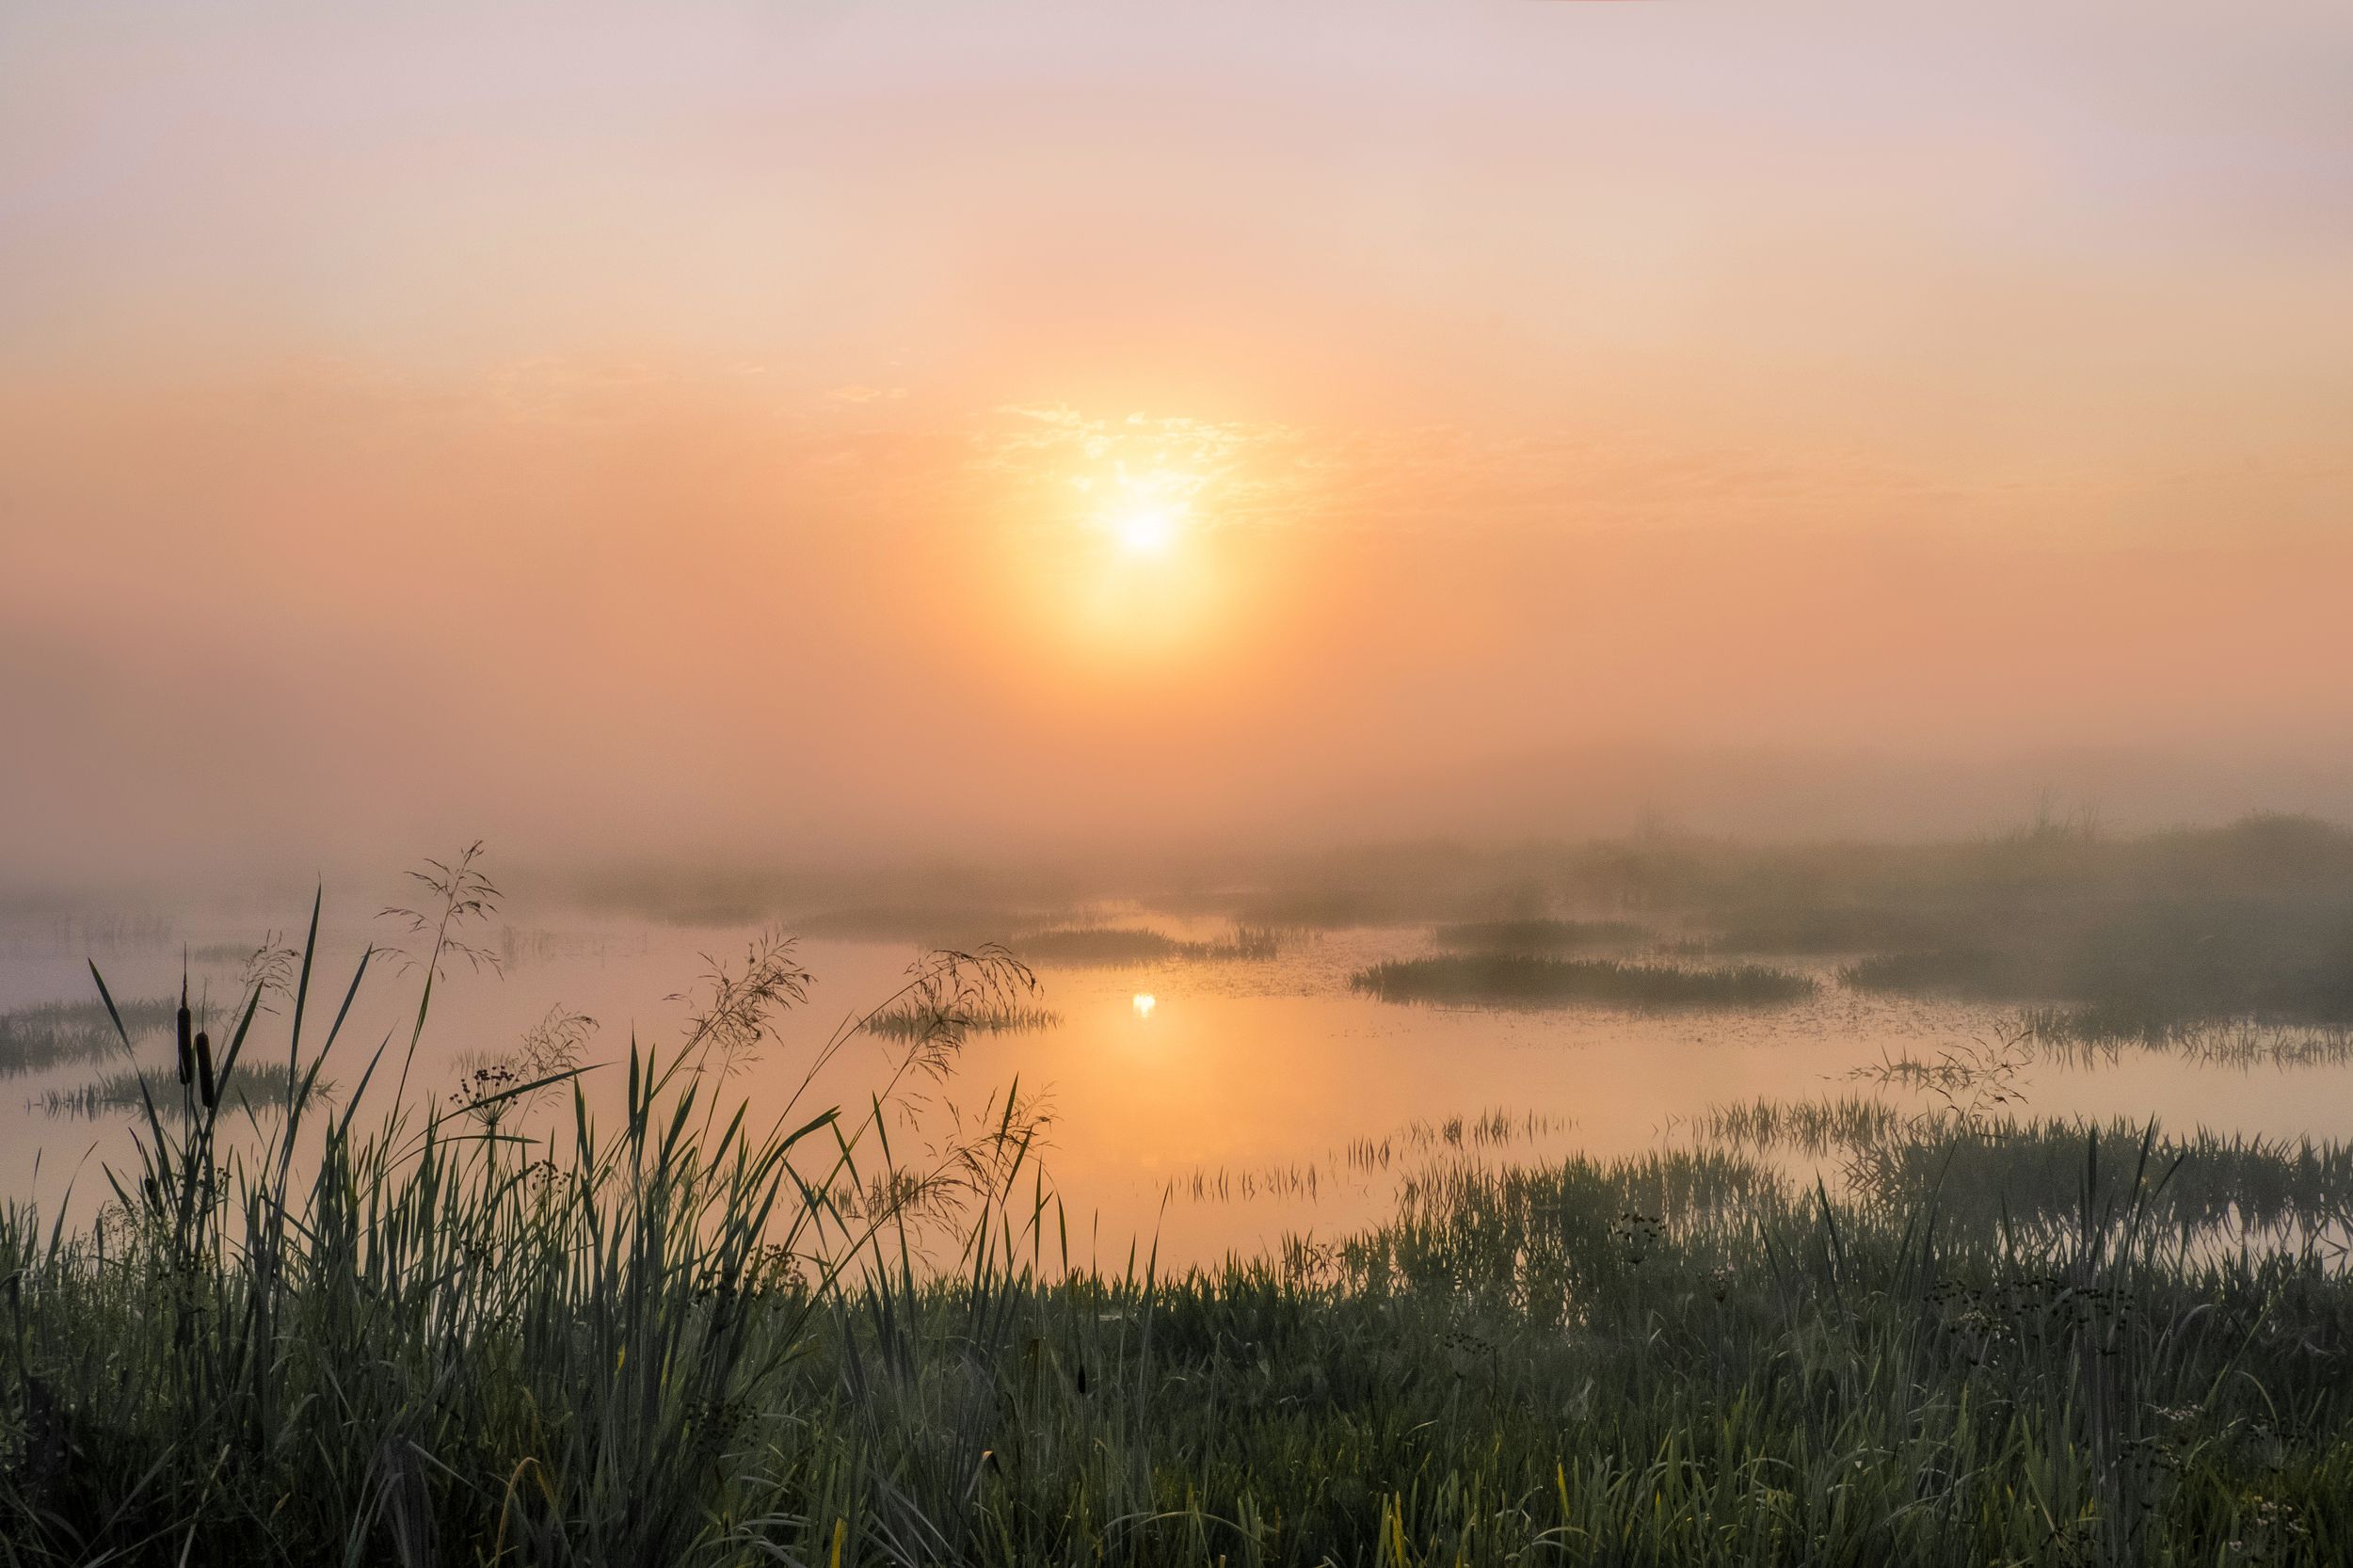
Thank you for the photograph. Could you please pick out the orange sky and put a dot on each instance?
(612, 429)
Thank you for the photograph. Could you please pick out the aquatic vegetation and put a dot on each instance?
(257, 1088)
(686, 1333)
(1406, 1149)
(1109, 945)
(2135, 932)
(1515, 979)
(1097, 944)
(1535, 936)
(1811, 1127)
(909, 1021)
(2069, 1037)
(57, 1033)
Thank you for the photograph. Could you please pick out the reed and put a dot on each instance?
(1535, 938)
(1109, 945)
(127, 1092)
(1512, 979)
(915, 1023)
(34, 1039)
(681, 1333)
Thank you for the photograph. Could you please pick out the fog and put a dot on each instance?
(725, 441)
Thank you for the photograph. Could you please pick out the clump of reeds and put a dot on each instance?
(909, 1021)
(1117, 945)
(1096, 944)
(258, 1087)
(1813, 1127)
(1539, 937)
(665, 1331)
(52, 1035)
(1512, 979)
(572, 1334)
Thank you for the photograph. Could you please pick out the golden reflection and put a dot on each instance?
(1145, 1002)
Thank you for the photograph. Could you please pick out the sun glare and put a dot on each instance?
(1148, 530)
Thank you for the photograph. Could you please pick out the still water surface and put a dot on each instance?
(1200, 1107)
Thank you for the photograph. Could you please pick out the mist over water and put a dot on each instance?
(1233, 1065)
(1188, 784)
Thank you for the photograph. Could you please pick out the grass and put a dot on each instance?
(127, 1091)
(2139, 933)
(2132, 937)
(2086, 1037)
(1111, 945)
(913, 1022)
(1512, 979)
(2003, 1169)
(679, 1333)
(33, 1039)
(1535, 936)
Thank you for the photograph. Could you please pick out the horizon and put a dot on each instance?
(887, 433)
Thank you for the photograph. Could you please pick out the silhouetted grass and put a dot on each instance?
(256, 1087)
(2000, 1169)
(674, 1334)
(2098, 1036)
(57, 1033)
(1517, 978)
(1960, 972)
(913, 1022)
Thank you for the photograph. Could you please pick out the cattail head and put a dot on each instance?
(204, 1068)
(187, 1062)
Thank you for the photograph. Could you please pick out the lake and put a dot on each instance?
(1198, 1106)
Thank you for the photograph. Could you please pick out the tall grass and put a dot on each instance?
(677, 1333)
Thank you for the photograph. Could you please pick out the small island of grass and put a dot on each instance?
(1535, 936)
(1521, 980)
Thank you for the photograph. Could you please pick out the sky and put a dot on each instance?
(887, 430)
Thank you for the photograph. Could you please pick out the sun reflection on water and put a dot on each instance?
(1145, 1002)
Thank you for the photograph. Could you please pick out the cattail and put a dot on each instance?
(187, 1062)
(204, 1068)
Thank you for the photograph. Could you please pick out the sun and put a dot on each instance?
(1148, 530)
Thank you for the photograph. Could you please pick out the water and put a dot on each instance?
(1199, 1106)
